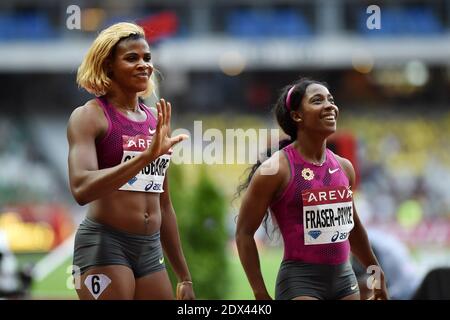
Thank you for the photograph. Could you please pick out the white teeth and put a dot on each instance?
(331, 118)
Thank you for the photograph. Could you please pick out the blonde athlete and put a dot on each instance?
(119, 152)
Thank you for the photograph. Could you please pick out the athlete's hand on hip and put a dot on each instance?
(162, 141)
(185, 291)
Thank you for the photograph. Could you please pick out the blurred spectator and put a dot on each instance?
(14, 283)
(435, 286)
(9, 283)
(402, 277)
(395, 260)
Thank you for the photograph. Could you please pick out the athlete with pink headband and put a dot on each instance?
(310, 198)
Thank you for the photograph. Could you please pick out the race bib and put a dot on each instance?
(151, 177)
(327, 215)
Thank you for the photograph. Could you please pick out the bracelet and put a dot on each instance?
(179, 285)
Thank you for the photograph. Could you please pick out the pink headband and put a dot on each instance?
(288, 98)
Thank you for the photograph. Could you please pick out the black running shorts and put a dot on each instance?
(99, 245)
(321, 281)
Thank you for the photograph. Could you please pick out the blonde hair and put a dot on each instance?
(92, 74)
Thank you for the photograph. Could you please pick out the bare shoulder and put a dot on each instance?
(344, 162)
(271, 176)
(277, 166)
(89, 118)
(90, 109)
(347, 166)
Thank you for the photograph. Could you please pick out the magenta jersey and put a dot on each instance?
(125, 139)
(315, 211)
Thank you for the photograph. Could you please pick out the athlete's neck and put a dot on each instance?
(312, 149)
(123, 101)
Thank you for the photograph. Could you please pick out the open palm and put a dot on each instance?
(162, 141)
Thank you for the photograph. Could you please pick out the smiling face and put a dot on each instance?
(131, 65)
(318, 111)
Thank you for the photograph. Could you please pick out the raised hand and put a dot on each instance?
(162, 141)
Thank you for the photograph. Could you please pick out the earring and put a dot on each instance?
(295, 115)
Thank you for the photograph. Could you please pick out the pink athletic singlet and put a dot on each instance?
(315, 211)
(124, 140)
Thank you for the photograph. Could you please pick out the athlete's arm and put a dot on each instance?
(359, 241)
(87, 182)
(261, 192)
(170, 241)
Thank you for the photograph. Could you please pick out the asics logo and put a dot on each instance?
(149, 186)
(335, 237)
(332, 171)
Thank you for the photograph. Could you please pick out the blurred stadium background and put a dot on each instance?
(223, 62)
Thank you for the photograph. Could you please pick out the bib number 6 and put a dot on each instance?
(95, 282)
